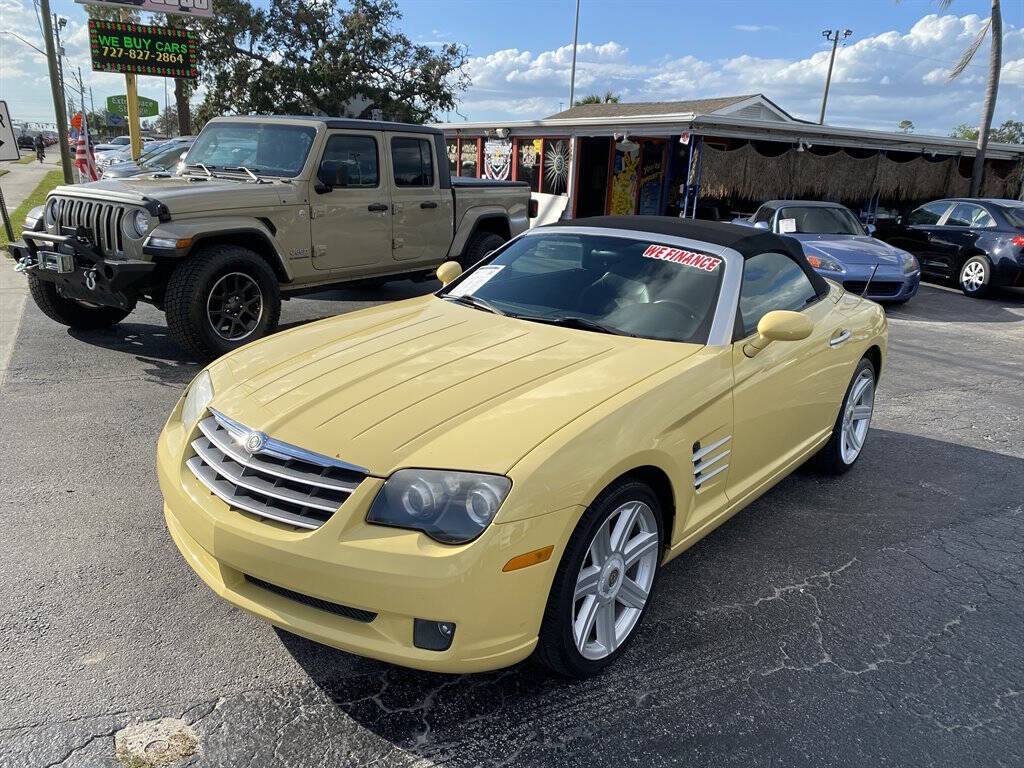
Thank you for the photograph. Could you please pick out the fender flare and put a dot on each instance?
(470, 223)
(204, 231)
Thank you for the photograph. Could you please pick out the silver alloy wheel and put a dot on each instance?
(615, 580)
(234, 306)
(973, 275)
(857, 416)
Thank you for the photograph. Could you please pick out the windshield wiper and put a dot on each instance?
(474, 301)
(252, 175)
(580, 323)
(200, 165)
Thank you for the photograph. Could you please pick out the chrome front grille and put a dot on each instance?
(102, 219)
(254, 473)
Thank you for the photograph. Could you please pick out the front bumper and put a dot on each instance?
(398, 575)
(886, 284)
(108, 282)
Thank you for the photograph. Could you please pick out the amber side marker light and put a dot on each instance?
(527, 559)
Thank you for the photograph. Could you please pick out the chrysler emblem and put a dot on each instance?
(255, 442)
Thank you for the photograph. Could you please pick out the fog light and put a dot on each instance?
(432, 635)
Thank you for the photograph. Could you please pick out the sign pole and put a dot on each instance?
(58, 94)
(134, 129)
(6, 217)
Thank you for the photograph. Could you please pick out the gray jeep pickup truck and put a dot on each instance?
(265, 207)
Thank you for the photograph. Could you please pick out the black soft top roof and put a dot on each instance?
(744, 240)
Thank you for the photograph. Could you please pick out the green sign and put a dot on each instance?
(141, 49)
(119, 106)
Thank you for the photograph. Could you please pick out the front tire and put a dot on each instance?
(850, 431)
(604, 583)
(976, 277)
(479, 245)
(72, 313)
(221, 298)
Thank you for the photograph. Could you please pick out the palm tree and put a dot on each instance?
(609, 98)
(995, 63)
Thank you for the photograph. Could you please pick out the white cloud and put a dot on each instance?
(755, 27)
(912, 66)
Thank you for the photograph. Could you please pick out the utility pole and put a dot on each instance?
(57, 92)
(833, 36)
(575, 37)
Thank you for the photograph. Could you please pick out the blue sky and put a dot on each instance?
(893, 66)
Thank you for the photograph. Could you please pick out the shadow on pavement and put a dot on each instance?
(785, 632)
(935, 305)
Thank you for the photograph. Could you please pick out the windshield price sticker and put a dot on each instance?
(476, 281)
(142, 49)
(679, 256)
(786, 226)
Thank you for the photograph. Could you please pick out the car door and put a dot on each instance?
(785, 397)
(422, 210)
(958, 235)
(919, 237)
(350, 220)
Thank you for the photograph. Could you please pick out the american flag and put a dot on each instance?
(84, 159)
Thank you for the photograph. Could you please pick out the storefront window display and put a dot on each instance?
(468, 161)
(453, 156)
(555, 175)
(528, 162)
(498, 159)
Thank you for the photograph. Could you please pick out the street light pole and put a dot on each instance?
(572, 76)
(57, 92)
(833, 36)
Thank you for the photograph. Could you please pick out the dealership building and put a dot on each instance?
(714, 158)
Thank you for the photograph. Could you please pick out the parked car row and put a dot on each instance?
(977, 243)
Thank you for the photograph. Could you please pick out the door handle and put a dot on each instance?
(376, 207)
(838, 338)
(428, 204)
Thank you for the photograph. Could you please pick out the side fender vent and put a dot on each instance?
(707, 460)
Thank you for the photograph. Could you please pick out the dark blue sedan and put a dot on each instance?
(840, 248)
(979, 243)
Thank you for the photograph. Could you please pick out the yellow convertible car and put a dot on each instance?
(457, 481)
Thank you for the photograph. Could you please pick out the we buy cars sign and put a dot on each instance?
(142, 49)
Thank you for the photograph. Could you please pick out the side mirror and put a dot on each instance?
(448, 272)
(778, 325)
(761, 225)
(871, 229)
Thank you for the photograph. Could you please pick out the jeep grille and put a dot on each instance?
(103, 220)
(279, 481)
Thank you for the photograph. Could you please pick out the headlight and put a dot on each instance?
(910, 265)
(829, 265)
(200, 393)
(50, 212)
(450, 507)
(140, 223)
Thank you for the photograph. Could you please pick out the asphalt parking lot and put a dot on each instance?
(875, 619)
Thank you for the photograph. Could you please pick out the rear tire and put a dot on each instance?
(976, 277)
(220, 299)
(623, 576)
(479, 245)
(850, 431)
(69, 312)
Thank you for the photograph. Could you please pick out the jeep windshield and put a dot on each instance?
(272, 150)
(614, 285)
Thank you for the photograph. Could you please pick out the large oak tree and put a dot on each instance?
(320, 56)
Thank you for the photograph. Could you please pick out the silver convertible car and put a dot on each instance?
(842, 249)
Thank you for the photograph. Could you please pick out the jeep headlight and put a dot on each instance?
(50, 212)
(200, 393)
(139, 224)
(450, 507)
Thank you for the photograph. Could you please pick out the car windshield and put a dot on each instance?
(166, 159)
(818, 220)
(624, 286)
(1014, 214)
(271, 150)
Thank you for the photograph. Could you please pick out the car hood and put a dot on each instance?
(851, 249)
(190, 194)
(427, 383)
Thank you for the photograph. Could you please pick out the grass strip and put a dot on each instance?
(38, 196)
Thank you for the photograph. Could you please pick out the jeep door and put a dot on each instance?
(350, 217)
(422, 210)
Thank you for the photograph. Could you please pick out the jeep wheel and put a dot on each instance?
(221, 298)
(70, 312)
(479, 245)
